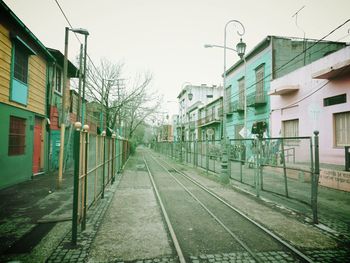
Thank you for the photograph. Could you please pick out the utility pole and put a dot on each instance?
(63, 119)
(119, 108)
(80, 82)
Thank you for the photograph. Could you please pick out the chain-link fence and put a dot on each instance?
(97, 160)
(286, 166)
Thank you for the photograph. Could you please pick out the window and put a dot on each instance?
(290, 128)
(227, 98)
(334, 100)
(58, 82)
(17, 136)
(342, 128)
(20, 69)
(259, 79)
(241, 92)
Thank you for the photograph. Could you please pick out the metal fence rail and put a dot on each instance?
(97, 160)
(287, 166)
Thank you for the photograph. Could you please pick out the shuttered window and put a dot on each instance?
(241, 92)
(58, 83)
(259, 79)
(227, 98)
(290, 128)
(17, 136)
(342, 128)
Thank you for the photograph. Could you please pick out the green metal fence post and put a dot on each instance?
(315, 177)
(104, 164)
(207, 155)
(256, 170)
(86, 141)
(284, 169)
(241, 163)
(76, 182)
(113, 157)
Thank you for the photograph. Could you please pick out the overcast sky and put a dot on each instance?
(167, 37)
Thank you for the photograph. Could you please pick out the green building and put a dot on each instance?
(24, 63)
(272, 58)
(30, 100)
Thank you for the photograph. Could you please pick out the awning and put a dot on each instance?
(336, 71)
(23, 44)
(284, 90)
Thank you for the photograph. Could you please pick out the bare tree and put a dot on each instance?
(123, 99)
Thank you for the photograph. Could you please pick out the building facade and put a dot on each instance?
(272, 58)
(210, 120)
(315, 97)
(54, 106)
(186, 124)
(24, 63)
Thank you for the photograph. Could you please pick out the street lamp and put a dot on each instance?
(64, 93)
(240, 49)
(189, 97)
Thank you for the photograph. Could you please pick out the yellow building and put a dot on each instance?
(24, 63)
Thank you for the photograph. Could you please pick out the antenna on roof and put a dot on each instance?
(296, 23)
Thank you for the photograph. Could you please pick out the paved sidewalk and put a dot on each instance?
(29, 211)
(132, 228)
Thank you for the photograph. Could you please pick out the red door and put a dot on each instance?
(37, 146)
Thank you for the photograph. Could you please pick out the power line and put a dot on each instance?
(70, 25)
(295, 57)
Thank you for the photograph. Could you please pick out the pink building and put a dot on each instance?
(315, 97)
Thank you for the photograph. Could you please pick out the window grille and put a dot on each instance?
(17, 136)
(290, 128)
(21, 65)
(342, 129)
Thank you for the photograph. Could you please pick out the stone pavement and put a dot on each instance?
(29, 211)
(120, 198)
(133, 228)
(65, 252)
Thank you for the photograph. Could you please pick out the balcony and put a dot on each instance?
(256, 99)
(209, 119)
(236, 106)
(192, 125)
(220, 111)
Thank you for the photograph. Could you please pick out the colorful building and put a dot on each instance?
(24, 63)
(190, 97)
(31, 86)
(54, 106)
(210, 120)
(315, 97)
(272, 58)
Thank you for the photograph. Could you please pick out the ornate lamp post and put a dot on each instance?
(240, 49)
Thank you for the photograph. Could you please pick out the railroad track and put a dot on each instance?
(206, 228)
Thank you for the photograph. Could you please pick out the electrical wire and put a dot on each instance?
(294, 58)
(70, 25)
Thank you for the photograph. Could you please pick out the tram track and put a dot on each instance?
(246, 235)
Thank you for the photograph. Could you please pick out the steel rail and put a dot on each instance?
(166, 217)
(235, 237)
(270, 233)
